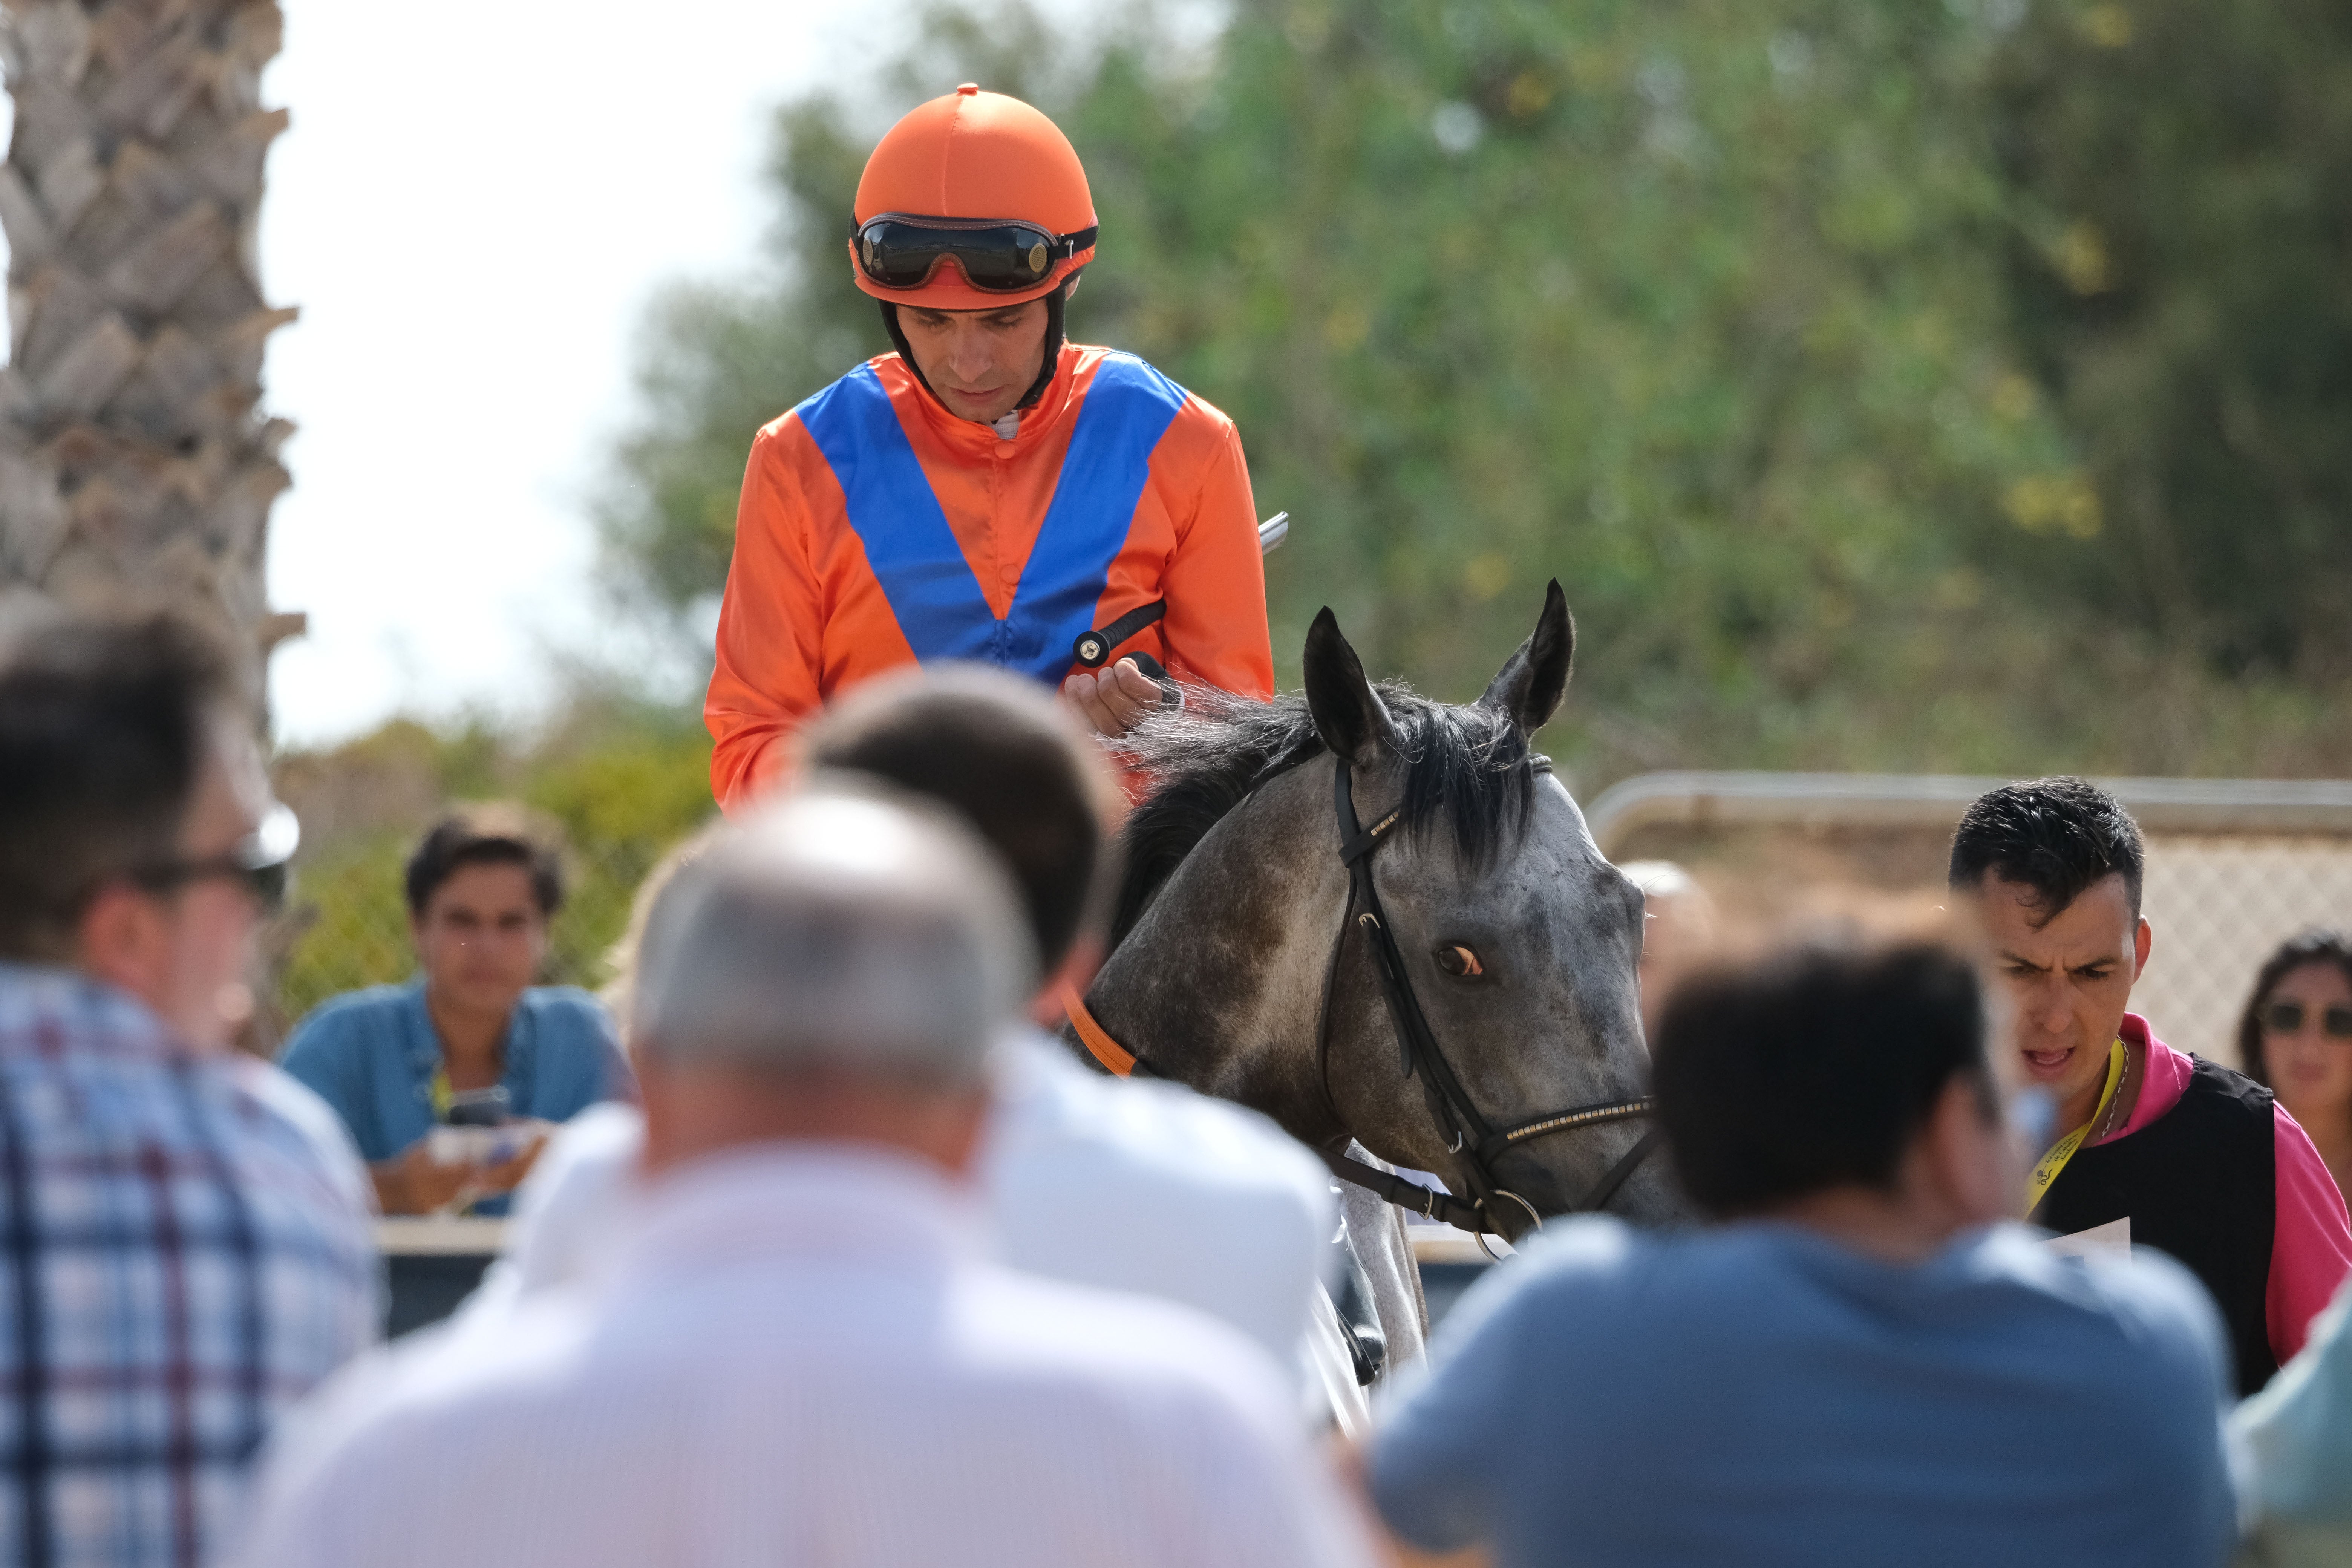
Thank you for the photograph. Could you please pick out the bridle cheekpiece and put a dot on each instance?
(1476, 1141)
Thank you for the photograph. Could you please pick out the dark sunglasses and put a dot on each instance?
(901, 252)
(2286, 1018)
(260, 861)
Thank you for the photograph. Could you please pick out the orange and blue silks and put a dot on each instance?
(876, 530)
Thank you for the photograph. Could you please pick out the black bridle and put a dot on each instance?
(1475, 1141)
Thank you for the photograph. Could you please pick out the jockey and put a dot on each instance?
(989, 491)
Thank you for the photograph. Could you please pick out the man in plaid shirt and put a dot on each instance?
(184, 1244)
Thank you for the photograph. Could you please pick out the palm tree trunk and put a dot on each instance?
(135, 464)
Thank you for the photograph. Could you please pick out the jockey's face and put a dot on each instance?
(979, 362)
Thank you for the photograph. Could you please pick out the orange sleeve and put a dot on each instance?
(1215, 579)
(770, 628)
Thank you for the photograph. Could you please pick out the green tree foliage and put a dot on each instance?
(1673, 302)
(622, 783)
(1704, 307)
(2183, 287)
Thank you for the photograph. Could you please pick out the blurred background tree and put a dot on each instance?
(1751, 321)
(2181, 284)
(1924, 385)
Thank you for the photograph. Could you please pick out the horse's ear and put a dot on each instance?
(1348, 714)
(1531, 682)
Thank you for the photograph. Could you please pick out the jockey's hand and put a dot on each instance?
(1115, 700)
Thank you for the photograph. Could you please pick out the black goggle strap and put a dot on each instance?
(1064, 246)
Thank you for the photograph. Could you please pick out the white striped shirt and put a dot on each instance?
(802, 1360)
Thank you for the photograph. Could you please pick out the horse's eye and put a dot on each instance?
(1459, 962)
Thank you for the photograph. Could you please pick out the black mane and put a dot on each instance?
(1468, 765)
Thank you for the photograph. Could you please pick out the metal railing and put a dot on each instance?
(2321, 806)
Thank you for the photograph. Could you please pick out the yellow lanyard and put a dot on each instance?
(2046, 1169)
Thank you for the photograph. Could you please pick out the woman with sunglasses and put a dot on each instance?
(2296, 1038)
(990, 491)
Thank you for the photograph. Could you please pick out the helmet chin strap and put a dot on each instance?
(1054, 304)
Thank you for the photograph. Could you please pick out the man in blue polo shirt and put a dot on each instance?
(470, 1040)
(1860, 1363)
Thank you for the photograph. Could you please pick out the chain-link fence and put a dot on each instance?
(2221, 904)
(2234, 867)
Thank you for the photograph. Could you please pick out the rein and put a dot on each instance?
(1474, 1137)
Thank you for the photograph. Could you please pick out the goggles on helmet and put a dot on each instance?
(901, 252)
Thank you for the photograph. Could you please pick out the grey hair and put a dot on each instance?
(838, 929)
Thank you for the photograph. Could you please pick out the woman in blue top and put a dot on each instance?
(393, 1060)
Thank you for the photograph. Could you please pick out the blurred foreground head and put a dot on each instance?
(1678, 931)
(1840, 1064)
(833, 935)
(993, 750)
(1003, 756)
(137, 839)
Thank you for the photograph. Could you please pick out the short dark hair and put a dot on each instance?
(2311, 947)
(1813, 1068)
(1000, 753)
(103, 733)
(485, 835)
(2057, 836)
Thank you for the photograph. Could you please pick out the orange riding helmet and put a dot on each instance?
(980, 174)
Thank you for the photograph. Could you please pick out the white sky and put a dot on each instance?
(473, 206)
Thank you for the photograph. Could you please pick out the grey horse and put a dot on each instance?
(1519, 938)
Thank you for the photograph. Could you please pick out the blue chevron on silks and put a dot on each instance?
(931, 591)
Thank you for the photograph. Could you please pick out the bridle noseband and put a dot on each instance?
(1475, 1141)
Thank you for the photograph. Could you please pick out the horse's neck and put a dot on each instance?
(1219, 981)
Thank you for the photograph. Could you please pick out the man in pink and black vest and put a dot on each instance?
(2197, 1159)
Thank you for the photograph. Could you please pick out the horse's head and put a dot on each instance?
(1519, 940)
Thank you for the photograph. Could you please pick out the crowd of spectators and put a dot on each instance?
(830, 1254)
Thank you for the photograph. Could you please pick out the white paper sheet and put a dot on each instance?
(2111, 1239)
